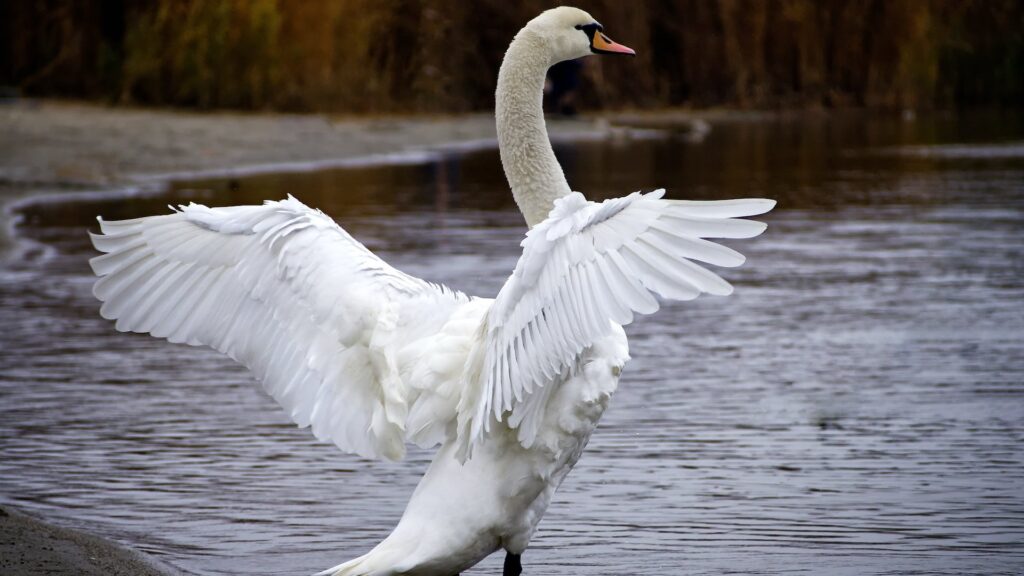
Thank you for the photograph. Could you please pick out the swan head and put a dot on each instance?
(572, 33)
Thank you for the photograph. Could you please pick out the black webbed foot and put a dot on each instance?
(513, 565)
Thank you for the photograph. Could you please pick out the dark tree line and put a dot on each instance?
(443, 55)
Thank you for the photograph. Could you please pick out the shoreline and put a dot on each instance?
(63, 150)
(30, 546)
(59, 150)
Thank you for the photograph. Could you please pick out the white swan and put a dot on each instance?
(372, 358)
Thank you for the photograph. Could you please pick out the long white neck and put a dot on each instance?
(530, 165)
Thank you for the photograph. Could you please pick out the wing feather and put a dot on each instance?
(585, 268)
(285, 291)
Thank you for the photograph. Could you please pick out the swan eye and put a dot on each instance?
(590, 29)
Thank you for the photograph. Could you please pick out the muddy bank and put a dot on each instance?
(29, 547)
(77, 145)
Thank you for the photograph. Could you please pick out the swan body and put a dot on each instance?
(371, 358)
(461, 513)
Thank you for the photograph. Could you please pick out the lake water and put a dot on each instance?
(856, 407)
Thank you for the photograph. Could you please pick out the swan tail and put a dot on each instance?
(383, 560)
(350, 568)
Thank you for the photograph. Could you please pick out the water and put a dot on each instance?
(857, 406)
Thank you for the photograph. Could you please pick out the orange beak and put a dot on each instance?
(602, 44)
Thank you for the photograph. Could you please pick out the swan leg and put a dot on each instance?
(513, 565)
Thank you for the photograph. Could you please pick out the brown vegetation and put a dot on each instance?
(443, 55)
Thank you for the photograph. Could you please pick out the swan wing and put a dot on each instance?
(585, 267)
(281, 288)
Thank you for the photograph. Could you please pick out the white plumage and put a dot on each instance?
(585, 268)
(371, 358)
(285, 291)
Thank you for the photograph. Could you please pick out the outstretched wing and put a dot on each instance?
(584, 267)
(282, 289)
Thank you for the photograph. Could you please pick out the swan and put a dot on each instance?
(371, 358)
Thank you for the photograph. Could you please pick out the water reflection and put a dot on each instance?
(856, 407)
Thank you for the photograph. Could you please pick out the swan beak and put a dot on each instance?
(602, 44)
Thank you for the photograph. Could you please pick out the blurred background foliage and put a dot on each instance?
(369, 56)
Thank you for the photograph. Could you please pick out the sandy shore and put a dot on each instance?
(80, 145)
(29, 547)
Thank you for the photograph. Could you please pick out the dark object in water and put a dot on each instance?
(565, 80)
